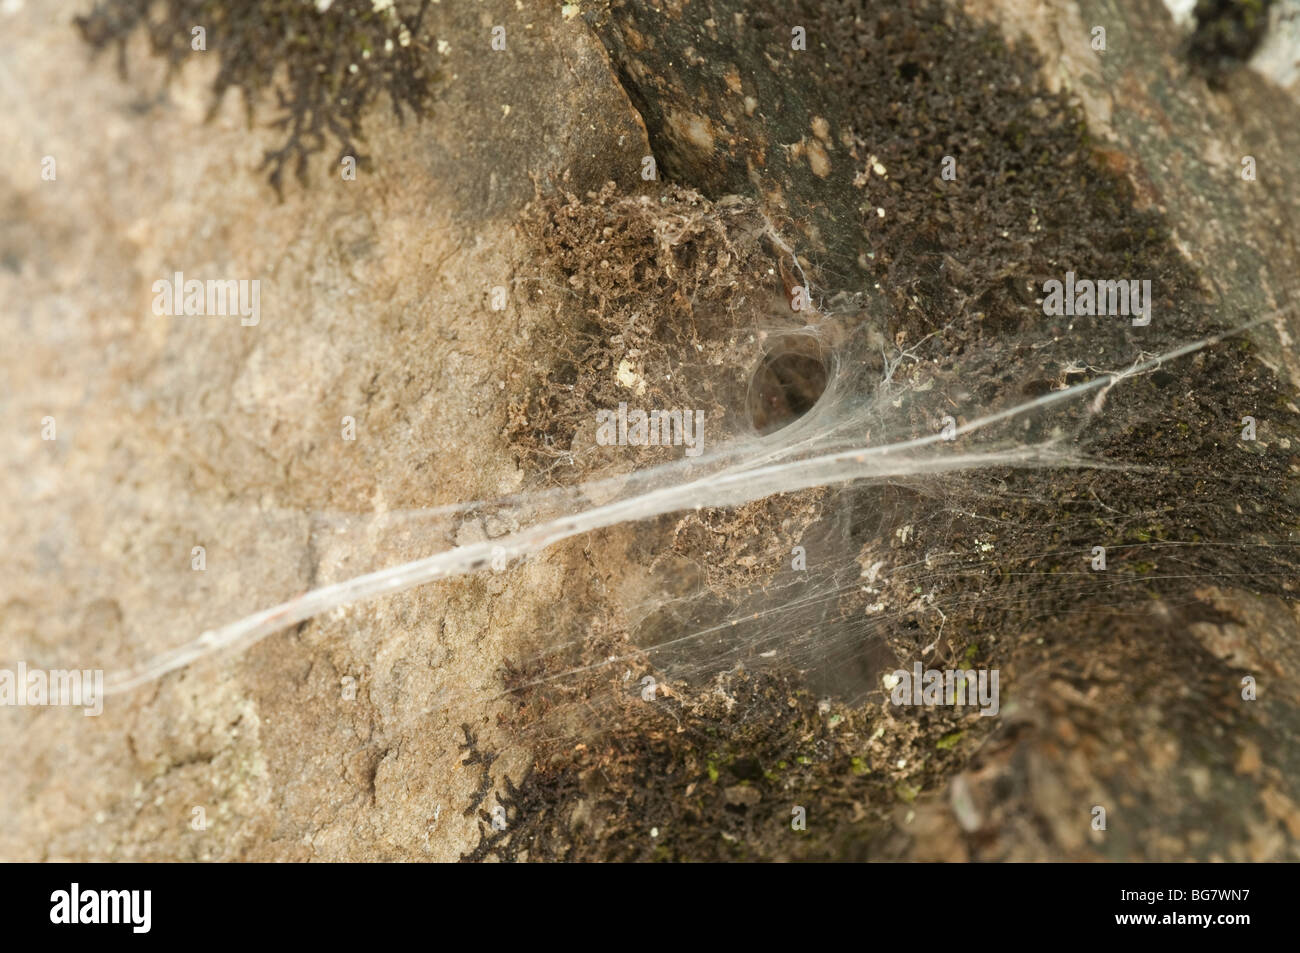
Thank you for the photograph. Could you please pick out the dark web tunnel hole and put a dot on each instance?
(788, 382)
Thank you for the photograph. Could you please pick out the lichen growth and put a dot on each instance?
(325, 62)
(1227, 34)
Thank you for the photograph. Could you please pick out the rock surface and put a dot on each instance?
(177, 432)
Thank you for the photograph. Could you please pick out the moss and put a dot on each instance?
(635, 776)
(653, 281)
(1227, 34)
(324, 68)
(907, 793)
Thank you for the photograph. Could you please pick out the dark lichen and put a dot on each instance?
(325, 67)
(1227, 34)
